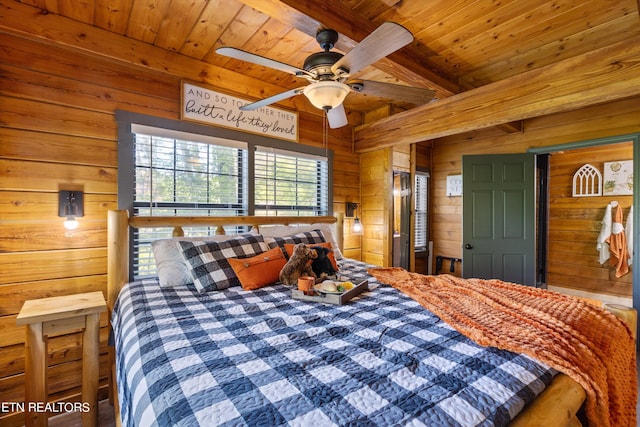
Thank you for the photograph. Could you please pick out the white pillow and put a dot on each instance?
(290, 230)
(171, 267)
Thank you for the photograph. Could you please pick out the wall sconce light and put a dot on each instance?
(70, 206)
(351, 207)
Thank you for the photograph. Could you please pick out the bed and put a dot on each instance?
(185, 356)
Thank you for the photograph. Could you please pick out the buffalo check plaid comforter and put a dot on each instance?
(261, 358)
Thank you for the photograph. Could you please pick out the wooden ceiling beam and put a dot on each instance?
(599, 76)
(512, 127)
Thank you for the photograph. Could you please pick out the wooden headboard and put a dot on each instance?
(119, 222)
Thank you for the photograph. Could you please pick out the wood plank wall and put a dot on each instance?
(376, 182)
(575, 223)
(605, 120)
(57, 131)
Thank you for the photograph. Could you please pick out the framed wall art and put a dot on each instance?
(618, 178)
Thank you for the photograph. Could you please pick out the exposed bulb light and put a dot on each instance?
(350, 212)
(326, 94)
(71, 223)
(357, 226)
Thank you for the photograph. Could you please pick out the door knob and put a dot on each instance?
(468, 246)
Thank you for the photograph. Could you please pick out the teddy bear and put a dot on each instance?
(298, 265)
(322, 265)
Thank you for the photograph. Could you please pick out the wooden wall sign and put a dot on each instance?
(220, 109)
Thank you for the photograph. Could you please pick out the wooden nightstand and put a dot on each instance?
(49, 316)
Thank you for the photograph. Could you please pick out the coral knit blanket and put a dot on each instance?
(585, 342)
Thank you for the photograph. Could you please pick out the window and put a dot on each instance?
(421, 198)
(286, 183)
(172, 172)
(174, 176)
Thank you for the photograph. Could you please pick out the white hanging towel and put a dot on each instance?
(605, 231)
(618, 244)
(628, 231)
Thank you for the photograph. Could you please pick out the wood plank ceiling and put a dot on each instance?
(459, 44)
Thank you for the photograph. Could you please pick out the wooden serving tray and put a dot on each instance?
(338, 299)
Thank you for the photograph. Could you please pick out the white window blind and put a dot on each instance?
(421, 197)
(289, 183)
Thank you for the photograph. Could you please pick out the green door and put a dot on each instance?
(498, 211)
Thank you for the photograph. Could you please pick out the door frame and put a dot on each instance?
(403, 249)
(635, 139)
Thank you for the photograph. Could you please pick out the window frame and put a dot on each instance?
(427, 176)
(271, 154)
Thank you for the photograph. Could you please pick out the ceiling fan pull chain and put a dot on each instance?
(325, 131)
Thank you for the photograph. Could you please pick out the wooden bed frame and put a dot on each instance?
(558, 405)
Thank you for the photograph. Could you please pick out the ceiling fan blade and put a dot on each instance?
(337, 117)
(384, 40)
(413, 95)
(242, 55)
(272, 99)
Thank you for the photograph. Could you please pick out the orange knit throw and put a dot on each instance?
(585, 342)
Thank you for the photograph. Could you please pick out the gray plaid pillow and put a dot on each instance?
(208, 261)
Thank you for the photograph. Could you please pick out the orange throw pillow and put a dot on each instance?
(289, 248)
(260, 270)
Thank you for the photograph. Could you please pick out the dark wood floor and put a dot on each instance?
(105, 417)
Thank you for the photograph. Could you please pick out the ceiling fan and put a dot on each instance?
(329, 72)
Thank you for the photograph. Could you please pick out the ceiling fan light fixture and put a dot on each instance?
(327, 93)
